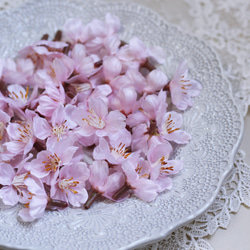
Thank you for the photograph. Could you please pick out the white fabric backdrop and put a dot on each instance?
(225, 26)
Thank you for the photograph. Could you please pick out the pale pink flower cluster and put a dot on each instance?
(86, 115)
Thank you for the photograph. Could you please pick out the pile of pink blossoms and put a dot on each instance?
(86, 116)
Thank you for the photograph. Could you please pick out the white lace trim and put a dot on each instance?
(224, 24)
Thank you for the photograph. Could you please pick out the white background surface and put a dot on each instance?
(237, 235)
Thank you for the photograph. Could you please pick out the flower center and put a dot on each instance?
(120, 151)
(22, 95)
(165, 169)
(18, 182)
(184, 85)
(59, 130)
(80, 87)
(52, 163)
(138, 171)
(2, 127)
(94, 120)
(68, 184)
(26, 133)
(169, 126)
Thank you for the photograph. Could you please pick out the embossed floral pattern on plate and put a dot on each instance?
(214, 123)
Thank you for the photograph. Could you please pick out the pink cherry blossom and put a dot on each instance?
(169, 127)
(49, 101)
(70, 185)
(56, 72)
(42, 51)
(155, 81)
(20, 97)
(12, 177)
(83, 64)
(75, 31)
(162, 167)
(47, 163)
(21, 135)
(103, 182)
(56, 131)
(13, 185)
(116, 153)
(100, 32)
(182, 88)
(111, 67)
(38, 200)
(18, 71)
(125, 100)
(97, 120)
(151, 107)
(137, 178)
(135, 53)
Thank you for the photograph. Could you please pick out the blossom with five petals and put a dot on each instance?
(182, 88)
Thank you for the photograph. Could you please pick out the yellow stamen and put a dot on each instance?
(94, 120)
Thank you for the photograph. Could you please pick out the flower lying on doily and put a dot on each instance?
(88, 91)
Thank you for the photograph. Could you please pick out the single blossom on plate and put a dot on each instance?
(13, 184)
(169, 128)
(18, 71)
(50, 99)
(75, 31)
(43, 52)
(95, 119)
(47, 163)
(114, 154)
(56, 72)
(37, 200)
(103, 182)
(136, 54)
(70, 185)
(12, 177)
(182, 88)
(60, 127)
(20, 97)
(152, 106)
(162, 167)
(125, 100)
(137, 179)
(21, 134)
(100, 32)
(155, 81)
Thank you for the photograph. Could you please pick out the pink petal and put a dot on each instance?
(155, 153)
(129, 169)
(37, 206)
(146, 189)
(78, 199)
(41, 127)
(25, 215)
(15, 147)
(179, 136)
(9, 195)
(99, 171)
(7, 174)
(114, 183)
(164, 183)
(111, 67)
(156, 80)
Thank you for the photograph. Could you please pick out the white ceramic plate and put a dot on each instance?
(214, 123)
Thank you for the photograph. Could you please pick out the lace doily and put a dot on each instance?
(224, 25)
